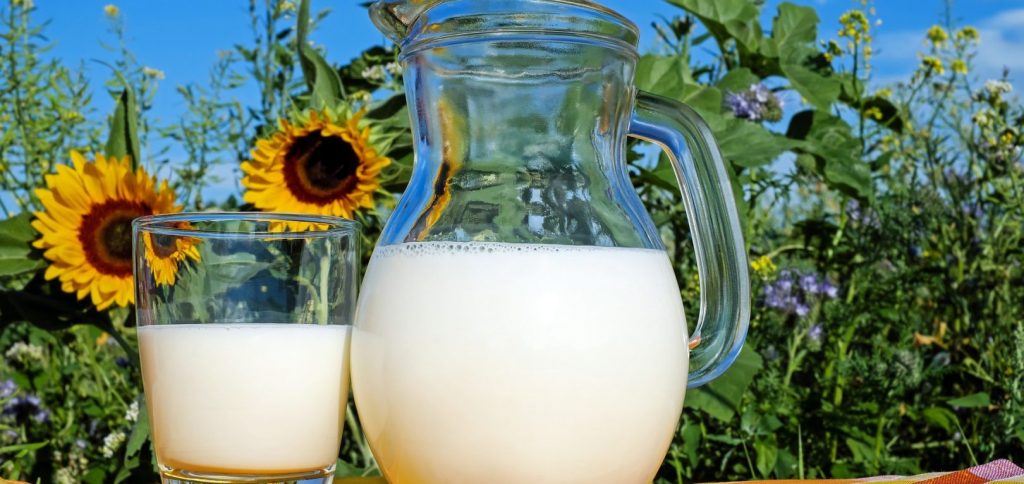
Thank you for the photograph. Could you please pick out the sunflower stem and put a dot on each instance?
(108, 326)
(325, 266)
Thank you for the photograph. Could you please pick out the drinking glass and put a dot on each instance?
(244, 326)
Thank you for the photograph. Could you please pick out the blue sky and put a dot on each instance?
(182, 37)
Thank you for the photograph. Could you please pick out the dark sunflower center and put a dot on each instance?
(106, 235)
(320, 169)
(163, 245)
(117, 237)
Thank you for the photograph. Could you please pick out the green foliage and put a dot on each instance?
(124, 135)
(909, 202)
(892, 219)
(44, 110)
(16, 257)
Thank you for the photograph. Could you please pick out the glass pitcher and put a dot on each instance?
(520, 321)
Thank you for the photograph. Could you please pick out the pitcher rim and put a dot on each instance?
(582, 21)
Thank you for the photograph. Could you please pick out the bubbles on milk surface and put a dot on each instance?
(418, 249)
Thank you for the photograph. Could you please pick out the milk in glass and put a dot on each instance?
(246, 398)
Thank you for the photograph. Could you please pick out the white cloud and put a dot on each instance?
(1008, 19)
(1002, 46)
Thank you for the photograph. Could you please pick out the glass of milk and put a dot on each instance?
(244, 323)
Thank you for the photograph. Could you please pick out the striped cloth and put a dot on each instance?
(998, 471)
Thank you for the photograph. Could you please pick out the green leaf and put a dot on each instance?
(21, 448)
(16, 236)
(836, 152)
(691, 434)
(974, 400)
(669, 76)
(390, 108)
(95, 475)
(767, 450)
(820, 91)
(140, 432)
(794, 27)
(302, 40)
(800, 125)
(942, 417)
(862, 451)
(852, 175)
(725, 19)
(662, 75)
(749, 145)
(706, 100)
(327, 90)
(739, 79)
(124, 134)
(721, 398)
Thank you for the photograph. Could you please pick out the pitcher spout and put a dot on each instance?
(395, 17)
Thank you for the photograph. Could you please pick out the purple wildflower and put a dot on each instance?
(828, 289)
(121, 362)
(863, 216)
(757, 103)
(760, 93)
(27, 406)
(809, 283)
(815, 334)
(741, 107)
(7, 388)
(793, 292)
(972, 210)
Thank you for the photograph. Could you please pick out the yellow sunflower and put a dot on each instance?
(320, 167)
(165, 252)
(85, 227)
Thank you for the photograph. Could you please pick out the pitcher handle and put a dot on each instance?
(714, 227)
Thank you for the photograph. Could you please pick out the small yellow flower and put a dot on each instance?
(937, 36)
(884, 92)
(111, 10)
(154, 73)
(1008, 138)
(873, 113)
(103, 339)
(968, 34)
(72, 116)
(854, 22)
(982, 118)
(932, 64)
(763, 266)
(958, 66)
(286, 7)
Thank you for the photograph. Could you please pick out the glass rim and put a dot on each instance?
(163, 224)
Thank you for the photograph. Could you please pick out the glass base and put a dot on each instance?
(178, 476)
